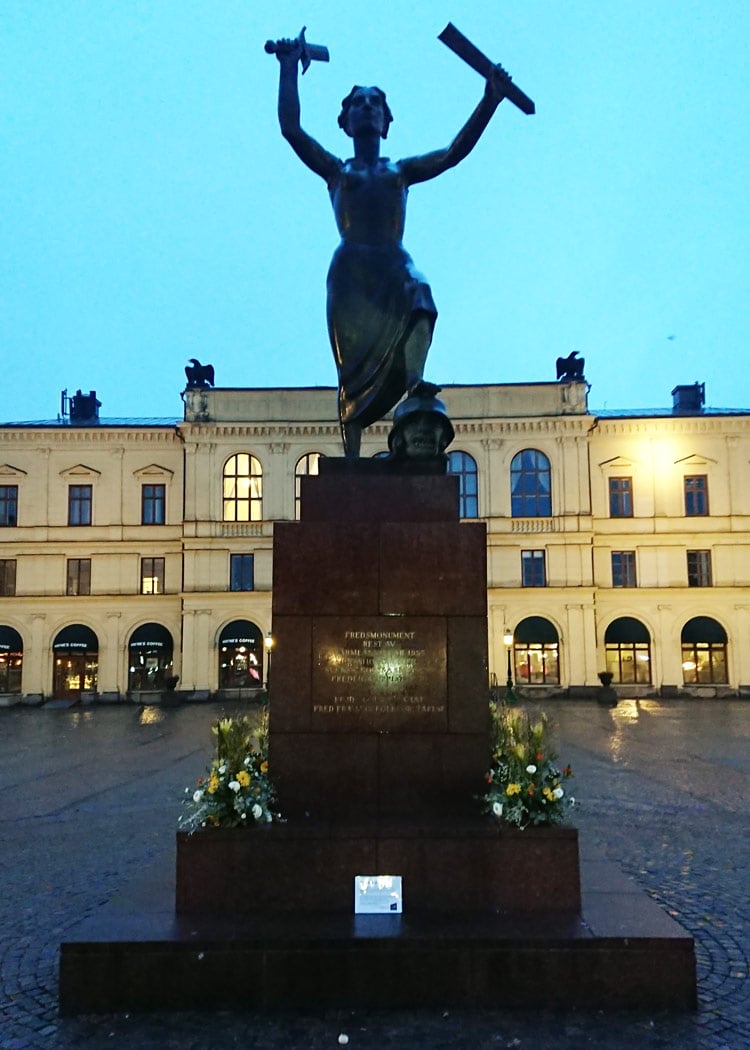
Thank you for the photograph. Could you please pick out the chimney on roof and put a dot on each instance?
(688, 400)
(84, 408)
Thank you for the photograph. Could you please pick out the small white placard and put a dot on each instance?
(377, 895)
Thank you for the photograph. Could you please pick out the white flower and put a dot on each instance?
(244, 816)
(257, 811)
(234, 785)
(222, 769)
(197, 796)
(558, 792)
(497, 809)
(247, 760)
(531, 769)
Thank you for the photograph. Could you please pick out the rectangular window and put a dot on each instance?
(79, 576)
(152, 576)
(621, 497)
(696, 495)
(153, 504)
(79, 504)
(533, 570)
(7, 577)
(623, 569)
(8, 504)
(242, 572)
(699, 568)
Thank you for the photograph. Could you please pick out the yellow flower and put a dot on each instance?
(549, 794)
(213, 784)
(513, 789)
(243, 778)
(264, 767)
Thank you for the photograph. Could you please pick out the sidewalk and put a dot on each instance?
(89, 799)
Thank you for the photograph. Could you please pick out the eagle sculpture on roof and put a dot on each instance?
(199, 376)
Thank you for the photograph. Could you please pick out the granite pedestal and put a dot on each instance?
(379, 742)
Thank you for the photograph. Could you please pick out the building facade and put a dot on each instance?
(137, 552)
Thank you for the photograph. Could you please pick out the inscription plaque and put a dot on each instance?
(379, 673)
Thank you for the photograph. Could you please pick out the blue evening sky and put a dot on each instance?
(152, 211)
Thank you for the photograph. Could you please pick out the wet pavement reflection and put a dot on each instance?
(89, 797)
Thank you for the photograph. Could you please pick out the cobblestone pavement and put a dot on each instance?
(89, 798)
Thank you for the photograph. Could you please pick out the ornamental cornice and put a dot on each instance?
(51, 439)
(717, 425)
(554, 425)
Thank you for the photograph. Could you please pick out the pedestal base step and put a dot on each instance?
(623, 951)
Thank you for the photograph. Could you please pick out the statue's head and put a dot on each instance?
(421, 429)
(365, 110)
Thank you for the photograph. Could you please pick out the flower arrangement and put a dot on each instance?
(236, 791)
(524, 782)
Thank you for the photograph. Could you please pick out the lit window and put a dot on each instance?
(152, 575)
(465, 468)
(699, 568)
(704, 652)
(627, 649)
(623, 569)
(308, 464)
(530, 485)
(153, 504)
(696, 495)
(7, 577)
(243, 489)
(241, 572)
(533, 569)
(79, 576)
(621, 497)
(536, 652)
(79, 504)
(8, 504)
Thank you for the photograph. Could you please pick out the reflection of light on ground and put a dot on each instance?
(625, 714)
(151, 716)
(79, 718)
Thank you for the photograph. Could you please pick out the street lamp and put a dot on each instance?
(510, 696)
(268, 643)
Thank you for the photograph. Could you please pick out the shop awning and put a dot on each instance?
(77, 636)
(535, 630)
(151, 636)
(626, 629)
(241, 632)
(10, 640)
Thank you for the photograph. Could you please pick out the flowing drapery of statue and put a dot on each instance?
(380, 309)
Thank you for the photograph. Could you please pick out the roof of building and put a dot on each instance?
(110, 421)
(664, 413)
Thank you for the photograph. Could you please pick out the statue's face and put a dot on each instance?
(366, 114)
(423, 436)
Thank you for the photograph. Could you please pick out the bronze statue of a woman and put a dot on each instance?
(380, 310)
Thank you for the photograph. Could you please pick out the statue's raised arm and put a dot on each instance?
(310, 152)
(419, 169)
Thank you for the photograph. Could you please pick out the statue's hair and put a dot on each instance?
(346, 103)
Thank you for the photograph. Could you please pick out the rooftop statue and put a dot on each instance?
(380, 309)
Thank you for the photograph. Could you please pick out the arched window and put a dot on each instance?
(240, 656)
(536, 652)
(704, 652)
(11, 660)
(76, 666)
(307, 464)
(150, 654)
(530, 485)
(627, 646)
(242, 488)
(465, 467)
